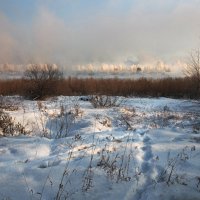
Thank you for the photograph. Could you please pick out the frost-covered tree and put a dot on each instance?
(193, 71)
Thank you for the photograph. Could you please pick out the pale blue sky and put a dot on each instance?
(25, 10)
(85, 31)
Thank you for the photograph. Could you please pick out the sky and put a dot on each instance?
(78, 32)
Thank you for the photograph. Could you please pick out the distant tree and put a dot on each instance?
(42, 80)
(8, 68)
(139, 69)
(193, 71)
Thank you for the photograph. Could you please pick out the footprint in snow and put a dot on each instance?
(148, 153)
(46, 164)
(146, 139)
(13, 150)
(146, 166)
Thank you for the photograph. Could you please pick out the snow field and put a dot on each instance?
(143, 149)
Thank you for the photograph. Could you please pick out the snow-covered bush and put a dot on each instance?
(8, 127)
(105, 101)
(8, 104)
(171, 173)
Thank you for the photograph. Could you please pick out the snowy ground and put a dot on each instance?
(143, 149)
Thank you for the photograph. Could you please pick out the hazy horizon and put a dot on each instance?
(79, 32)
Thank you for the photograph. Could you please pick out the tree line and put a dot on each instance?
(40, 82)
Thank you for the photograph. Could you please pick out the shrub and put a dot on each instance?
(43, 80)
(8, 127)
(8, 104)
(104, 101)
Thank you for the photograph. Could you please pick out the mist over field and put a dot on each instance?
(80, 33)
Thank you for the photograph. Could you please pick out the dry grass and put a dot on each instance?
(167, 87)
